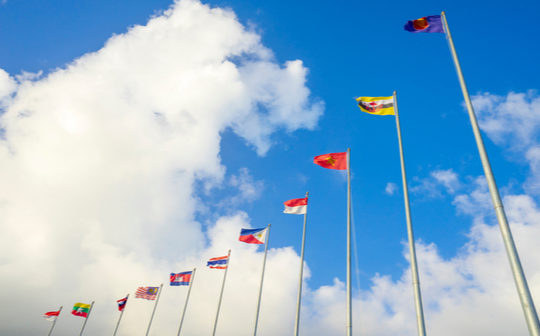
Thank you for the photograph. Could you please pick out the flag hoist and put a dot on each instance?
(220, 263)
(298, 206)
(121, 307)
(342, 161)
(257, 236)
(439, 24)
(82, 310)
(388, 106)
(183, 279)
(149, 293)
(52, 316)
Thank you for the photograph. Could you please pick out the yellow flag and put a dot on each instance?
(376, 105)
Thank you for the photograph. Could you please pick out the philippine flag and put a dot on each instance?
(181, 279)
(297, 206)
(253, 236)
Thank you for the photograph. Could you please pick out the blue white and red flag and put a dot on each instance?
(218, 262)
(253, 236)
(427, 24)
(122, 303)
(181, 279)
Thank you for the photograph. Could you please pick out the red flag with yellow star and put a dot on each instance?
(332, 160)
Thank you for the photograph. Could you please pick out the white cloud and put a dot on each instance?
(390, 188)
(438, 182)
(99, 162)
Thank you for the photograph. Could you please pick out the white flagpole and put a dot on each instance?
(262, 279)
(221, 293)
(187, 299)
(349, 289)
(54, 322)
(412, 250)
(154, 310)
(120, 318)
(299, 299)
(87, 317)
(524, 293)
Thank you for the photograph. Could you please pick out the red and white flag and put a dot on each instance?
(51, 316)
(297, 206)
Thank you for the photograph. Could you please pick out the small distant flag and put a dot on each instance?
(332, 160)
(253, 236)
(81, 309)
(218, 262)
(181, 279)
(122, 303)
(148, 293)
(297, 206)
(377, 105)
(426, 24)
(51, 316)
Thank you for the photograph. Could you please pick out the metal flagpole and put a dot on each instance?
(298, 301)
(154, 310)
(120, 318)
(54, 322)
(349, 292)
(527, 303)
(86, 318)
(221, 293)
(262, 279)
(412, 250)
(187, 299)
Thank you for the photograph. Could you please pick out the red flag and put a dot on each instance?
(297, 206)
(332, 160)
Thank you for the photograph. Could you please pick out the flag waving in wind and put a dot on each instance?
(81, 309)
(148, 293)
(332, 160)
(297, 206)
(427, 24)
(51, 316)
(122, 303)
(376, 105)
(253, 236)
(181, 279)
(218, 262)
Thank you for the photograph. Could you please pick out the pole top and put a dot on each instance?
(307, 193)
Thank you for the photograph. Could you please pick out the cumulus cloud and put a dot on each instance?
(390, 188)
(438, 182)
(100, 160)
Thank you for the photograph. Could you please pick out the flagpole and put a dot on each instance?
(527, 303)
(412, 250)
(86, 318)
(349, 291)
(154, 310)
(299, 299)
(262, 279)
(54, 322)
(221, 293)
(192, 278)
(120, 318)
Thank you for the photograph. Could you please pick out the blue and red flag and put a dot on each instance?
(122, 303)
(253, 236)
(181, 279)
(218, 262)
(427, 24)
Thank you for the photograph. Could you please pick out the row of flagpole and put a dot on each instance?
(342, 161)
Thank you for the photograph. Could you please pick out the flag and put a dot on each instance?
(376, 105)
(180, 279)
(332, 160)
(253, 236)
(81, 309)
(51, 316)
(122, 303)
(297, 206)
(148, 293)
(218, 262)
(427, 24)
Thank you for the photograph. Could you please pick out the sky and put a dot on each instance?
(138, 137)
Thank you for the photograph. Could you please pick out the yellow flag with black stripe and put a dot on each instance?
(376, 105)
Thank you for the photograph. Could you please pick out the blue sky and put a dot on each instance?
(348, 50)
